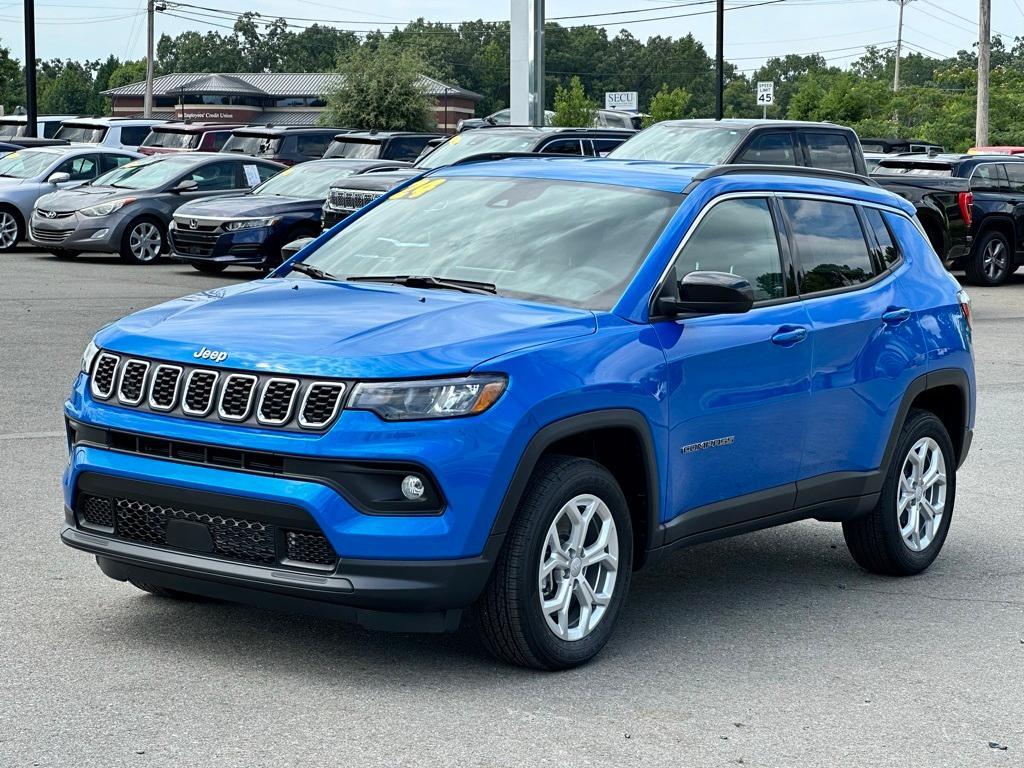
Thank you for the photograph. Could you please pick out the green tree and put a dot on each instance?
(66, 87)
(668, 105)
(572, 106)
(12, 82)
(380, 89)
(193, 52)
(128, 72)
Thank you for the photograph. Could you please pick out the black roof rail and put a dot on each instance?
(780, 170)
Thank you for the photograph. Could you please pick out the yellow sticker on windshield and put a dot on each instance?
(418, 189)
(286, 171)
(132, 164)
(455, 139)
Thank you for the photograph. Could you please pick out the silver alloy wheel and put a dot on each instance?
(921, 496)
(145, 241)
(8, 230)
(578, 566)
(995, 259)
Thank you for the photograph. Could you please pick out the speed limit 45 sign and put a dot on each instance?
(765, 94)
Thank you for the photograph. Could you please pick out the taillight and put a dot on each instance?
(965, 307)
(966, 203)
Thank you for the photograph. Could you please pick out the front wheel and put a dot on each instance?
(143, 242)
(905, 531)
(564, 572)
(11, 230)
(990, 264)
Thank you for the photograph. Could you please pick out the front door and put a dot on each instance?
(738, 385)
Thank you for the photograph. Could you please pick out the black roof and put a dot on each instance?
(280, 130)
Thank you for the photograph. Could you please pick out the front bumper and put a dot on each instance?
(332, 216)
(253, 247)
(99, 234)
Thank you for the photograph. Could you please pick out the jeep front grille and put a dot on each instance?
(351, 199)
(250, 399)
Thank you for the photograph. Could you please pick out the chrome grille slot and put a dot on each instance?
(276, 401)
(236, 396)
(199, 390)
(351, 199)
(163, 387)
(321, 404)
(103, 375)
(131, 386)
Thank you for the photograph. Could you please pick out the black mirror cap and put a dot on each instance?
(709, 293)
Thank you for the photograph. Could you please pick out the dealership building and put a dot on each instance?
(279, 98)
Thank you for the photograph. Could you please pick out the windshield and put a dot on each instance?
(252, 145)
(888, 168)
(171, 140)
(571, 243)
(476, 142)
(26, 164)
(144, 175)
(308, 180)
(81, 133)
(364, 150)
(680, 144)
(11, 130)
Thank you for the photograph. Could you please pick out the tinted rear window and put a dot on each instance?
(830, 245)
(897, 168)
(253, 144)
(81, 133)
(831, 151)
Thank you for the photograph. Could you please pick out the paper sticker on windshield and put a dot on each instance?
(418, 189)
(252, 175)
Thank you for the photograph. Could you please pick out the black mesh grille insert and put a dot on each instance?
(163, 391)
(321, 404)
(236, 396)
(276, 403)
(310, 548)
(103, 376)
(234, 538)
(199, 393)
(133, 380)
(94, 510)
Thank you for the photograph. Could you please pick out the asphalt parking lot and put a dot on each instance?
(772, 649)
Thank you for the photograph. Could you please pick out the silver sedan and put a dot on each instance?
(28, 174)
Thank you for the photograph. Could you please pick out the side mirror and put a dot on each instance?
(59, 178)
(707, 293)
(188, 185)
(290, 249)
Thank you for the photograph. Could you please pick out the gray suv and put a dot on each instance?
(28, 174)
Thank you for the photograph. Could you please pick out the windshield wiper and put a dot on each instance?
(314, 272)
(428, 281)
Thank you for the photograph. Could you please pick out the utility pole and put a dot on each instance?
(31, 109)
(984, 51)
(526, 62)
(899, 48)
(147, 105)
(719, 60)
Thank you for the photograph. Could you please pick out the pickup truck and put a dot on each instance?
(971, 208)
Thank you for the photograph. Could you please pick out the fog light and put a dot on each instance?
(412, 487)
(99, 233)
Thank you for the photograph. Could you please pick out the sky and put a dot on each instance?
(838, 29)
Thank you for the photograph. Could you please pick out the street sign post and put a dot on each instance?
(623, 101)
(765, 96)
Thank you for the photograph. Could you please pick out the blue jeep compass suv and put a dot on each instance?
(505, 386)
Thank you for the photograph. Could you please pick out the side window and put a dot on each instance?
(109, 162)
(1015, 175)
(603, 146)
(50, 127)
(219, 139)
(134, 135)
(266, 171)
(769, 149)
(887, 254)
(311, 144)
(831, 151)
(563, 147)
(81, 168)
(215, 176)
(830, 246)
(988, 177)
(737, 236)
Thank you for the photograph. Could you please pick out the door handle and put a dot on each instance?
(788, 335)
(896, 316)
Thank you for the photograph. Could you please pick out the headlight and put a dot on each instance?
(429, 399)
(91, 350)
(105, 209)
(234, 226)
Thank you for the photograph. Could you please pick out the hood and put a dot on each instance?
(247, 205)
(376, 182)
(82, 197)
(343, 330)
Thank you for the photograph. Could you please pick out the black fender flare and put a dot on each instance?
(578, 424)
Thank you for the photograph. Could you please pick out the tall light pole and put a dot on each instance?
(984, 51)
(31, 109)
(719, 60)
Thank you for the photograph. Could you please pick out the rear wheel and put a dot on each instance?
(990, 264)
(11, 229)
(905, 531)
(564, 572)
(209, 267)
(143, 242)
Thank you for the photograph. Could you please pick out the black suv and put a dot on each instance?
(282, 144)
(971, 208)
(353, 193)
(761, 142)
(380, 145)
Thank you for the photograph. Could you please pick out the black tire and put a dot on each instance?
(209, 267)
(63, 254)
(10, 219)
(975, 267)
(126, 251)
(875, 540)
(153, 589)
(509, 616)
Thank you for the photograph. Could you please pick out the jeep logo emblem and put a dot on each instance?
(210, 354)
(194, 224)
